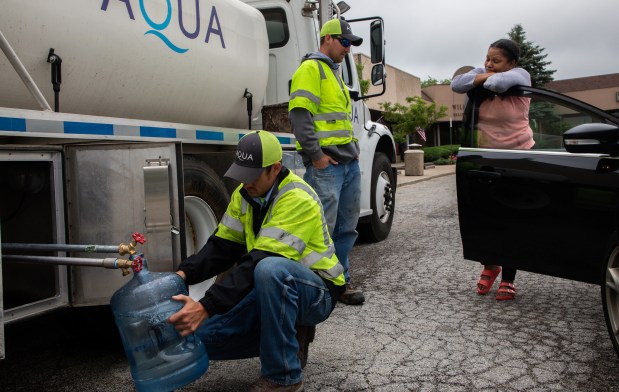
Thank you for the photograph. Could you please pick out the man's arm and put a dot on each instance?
(224, 295)
(220, 298)
(303, 129)
(215, 257)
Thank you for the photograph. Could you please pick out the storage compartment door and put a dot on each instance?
(115, 190)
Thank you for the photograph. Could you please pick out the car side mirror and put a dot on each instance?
(597, 138)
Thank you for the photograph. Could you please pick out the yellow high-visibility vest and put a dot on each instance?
(316, 88)
(293, 227)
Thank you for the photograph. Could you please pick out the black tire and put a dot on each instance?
(377, 228)
(202, 181)
(610, 297)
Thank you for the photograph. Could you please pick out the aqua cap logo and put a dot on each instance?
(255, 151)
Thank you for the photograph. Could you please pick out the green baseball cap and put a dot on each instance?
(255, 151)
(340, 28)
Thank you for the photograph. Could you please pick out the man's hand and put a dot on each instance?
(324, 162)
(188, 319)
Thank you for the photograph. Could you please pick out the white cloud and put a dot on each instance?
(434, 38)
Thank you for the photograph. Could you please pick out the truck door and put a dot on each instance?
(284, 55)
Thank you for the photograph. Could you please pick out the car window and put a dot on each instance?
(549, 120)
(549, 116)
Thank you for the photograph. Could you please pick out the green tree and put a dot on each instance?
(430, 81)
(405, 119)
(532, 57)
(363, 84)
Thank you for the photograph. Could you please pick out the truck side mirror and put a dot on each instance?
(378, 75)
(377, 49)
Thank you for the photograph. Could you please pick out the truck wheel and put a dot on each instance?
(382, 201)
(205, 200)
(610, 297)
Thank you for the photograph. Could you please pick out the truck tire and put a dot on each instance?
(382, 201)
(206, 200)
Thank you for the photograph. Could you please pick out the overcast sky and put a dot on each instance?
(436, 37)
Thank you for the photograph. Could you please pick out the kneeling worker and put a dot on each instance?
(284, 276)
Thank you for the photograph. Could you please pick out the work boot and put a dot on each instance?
(263, 385)
(305, 335)
(352, 296)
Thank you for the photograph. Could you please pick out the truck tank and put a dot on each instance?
(185, 61)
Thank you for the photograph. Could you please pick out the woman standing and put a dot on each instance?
(503, 122)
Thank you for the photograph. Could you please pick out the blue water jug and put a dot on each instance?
(160, 359)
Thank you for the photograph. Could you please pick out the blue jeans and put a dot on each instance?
(263, 324)
(339, 189)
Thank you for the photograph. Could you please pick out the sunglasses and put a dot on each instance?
(343, 41)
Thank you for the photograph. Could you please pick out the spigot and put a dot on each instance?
(130, 249)
(137, 264)
(123, 265)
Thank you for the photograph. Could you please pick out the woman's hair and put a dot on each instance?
(510, 49)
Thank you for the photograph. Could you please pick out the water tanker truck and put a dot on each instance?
(119, 116)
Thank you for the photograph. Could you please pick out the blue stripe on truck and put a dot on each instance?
(209, 135)
(13, 124)
(88, 128)
(284, 140)
(157, 132)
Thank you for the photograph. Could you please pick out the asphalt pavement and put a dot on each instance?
(422, 328)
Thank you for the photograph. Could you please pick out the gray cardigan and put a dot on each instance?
(499, 82)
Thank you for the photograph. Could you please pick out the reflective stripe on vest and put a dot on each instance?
(305, 94)
(232, 223)
(298, 244)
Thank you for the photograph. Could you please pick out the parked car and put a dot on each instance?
(554, 209)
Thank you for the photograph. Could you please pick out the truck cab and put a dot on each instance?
(293, 28)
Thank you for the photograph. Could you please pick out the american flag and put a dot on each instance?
(421, 133)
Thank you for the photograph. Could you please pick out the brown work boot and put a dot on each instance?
(352, 296)
(305, 335)
(263, 385)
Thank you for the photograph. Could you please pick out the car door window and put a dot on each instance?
(549, 120)
(550, 115)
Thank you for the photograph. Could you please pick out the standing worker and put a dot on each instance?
(320, 113)
(284, 276)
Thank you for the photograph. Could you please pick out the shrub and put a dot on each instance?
(433, 154)
(445, 161)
